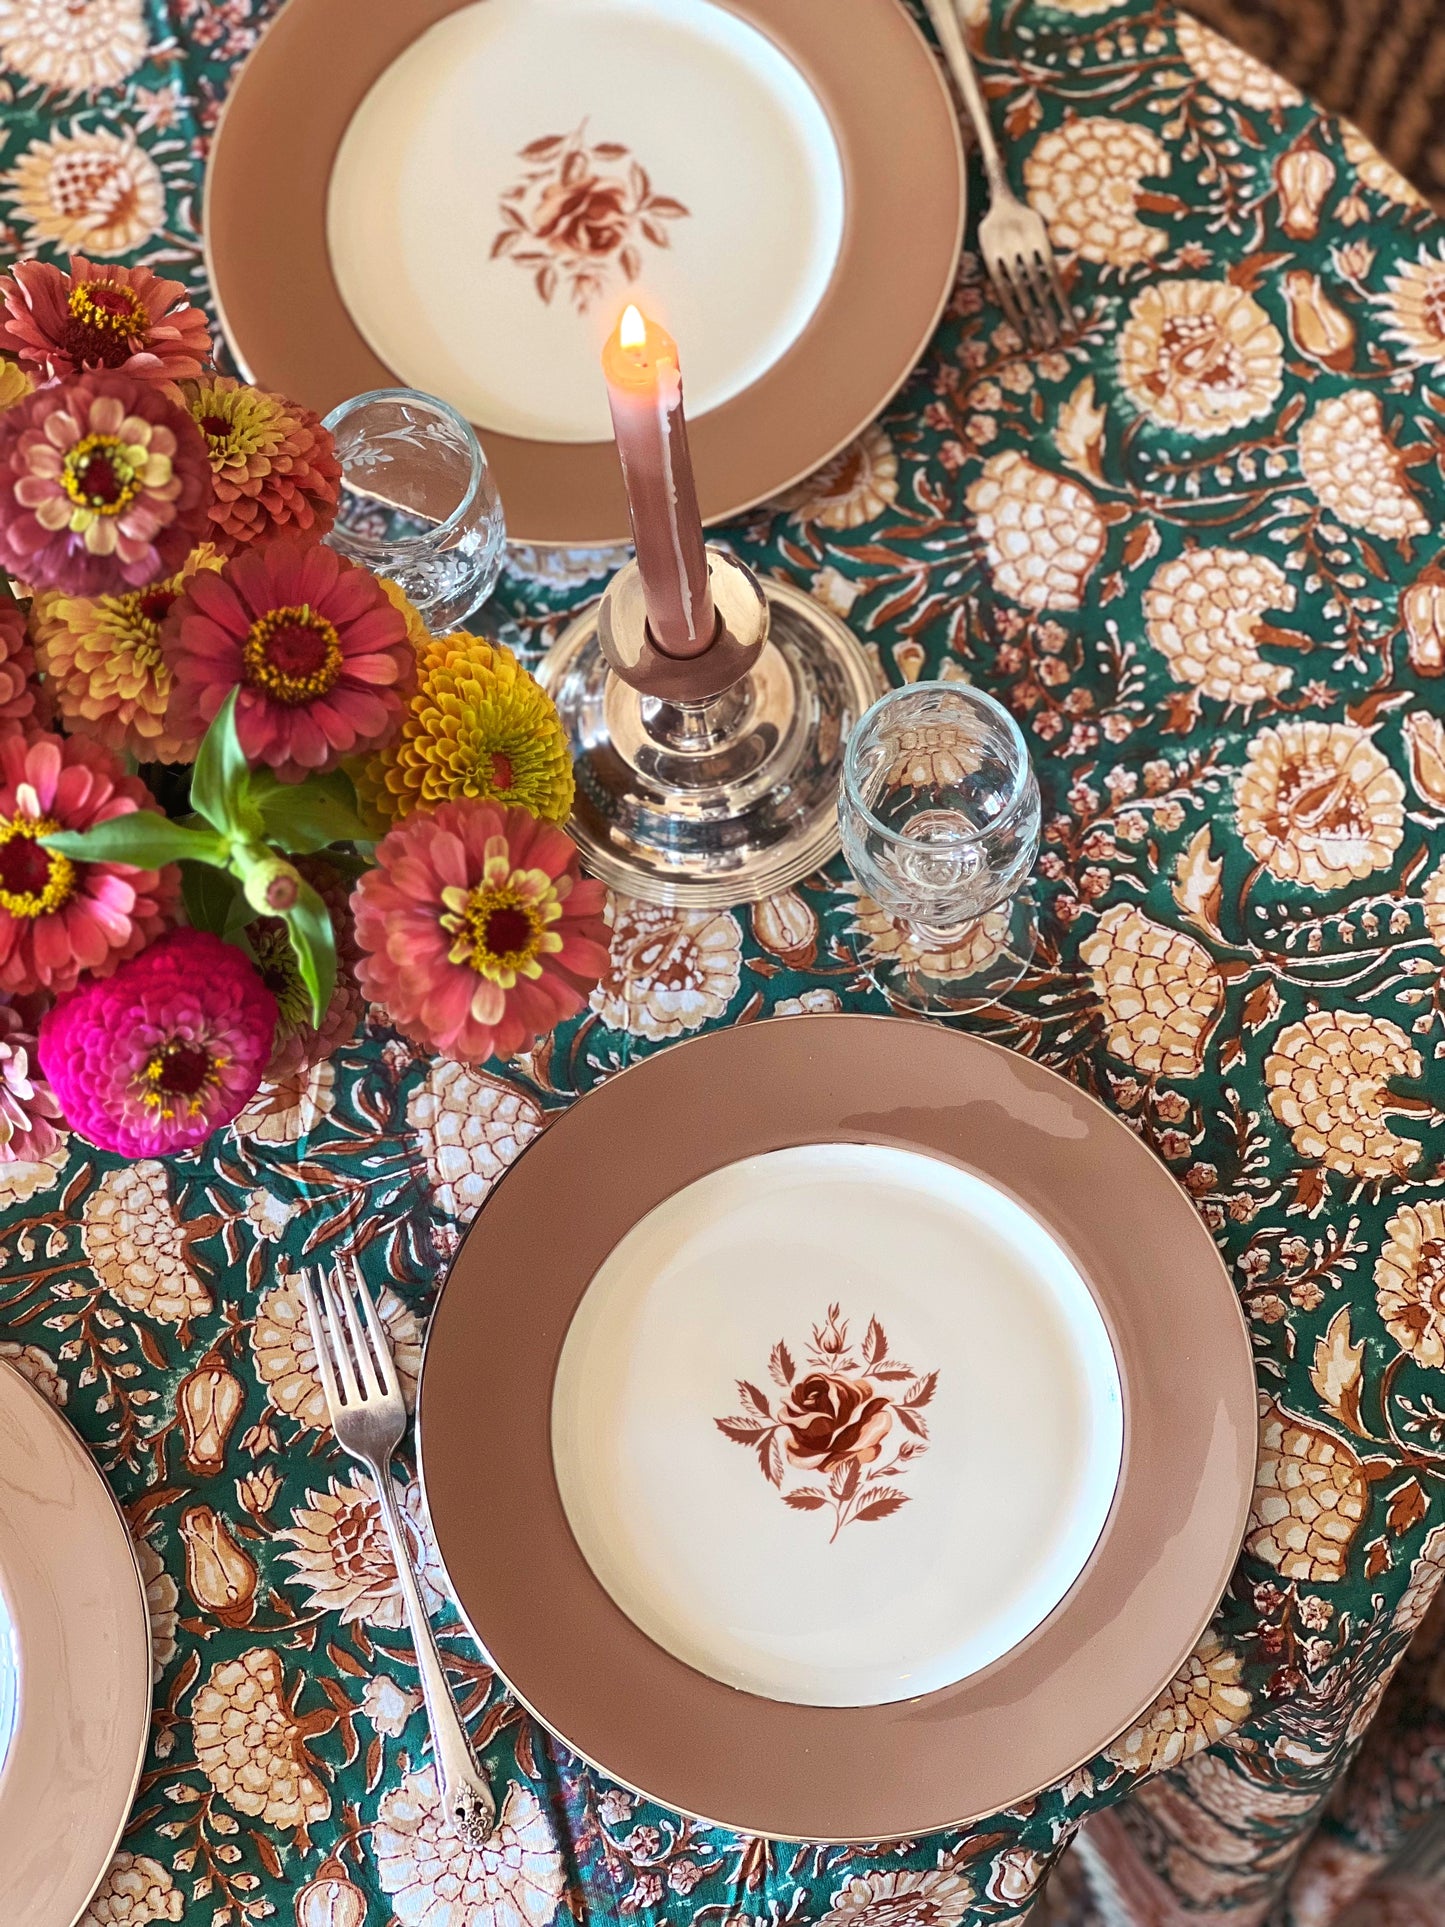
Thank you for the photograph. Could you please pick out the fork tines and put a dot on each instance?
(353, 1353)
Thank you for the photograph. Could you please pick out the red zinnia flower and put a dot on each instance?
(104, 485)
(126, 319)
(58, 915)
(318, 652)
(477, 932)
(22, 700)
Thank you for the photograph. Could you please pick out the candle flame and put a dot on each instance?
(631, 329)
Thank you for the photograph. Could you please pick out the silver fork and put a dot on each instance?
(1012, 238)
(368, 1416)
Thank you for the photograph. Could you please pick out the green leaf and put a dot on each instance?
(213, 900)
(308, 923)
(220, 781)
(143, 838)
(301, 817)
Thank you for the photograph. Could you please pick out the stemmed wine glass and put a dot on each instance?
(939, 811)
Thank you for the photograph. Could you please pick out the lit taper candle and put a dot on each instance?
(644, 390)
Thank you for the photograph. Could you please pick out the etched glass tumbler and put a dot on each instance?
(418, 502)
(939, 813)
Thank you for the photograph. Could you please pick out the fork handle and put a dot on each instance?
(466, 1798)
(960, 65)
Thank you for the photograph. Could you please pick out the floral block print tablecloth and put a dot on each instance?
(1198, 552)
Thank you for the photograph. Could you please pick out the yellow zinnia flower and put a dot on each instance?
(476, 726)
(15, 384)
(103, 658)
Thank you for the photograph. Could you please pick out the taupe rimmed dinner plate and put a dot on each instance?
(75, 1665)
(838, 1428)
(461, 195)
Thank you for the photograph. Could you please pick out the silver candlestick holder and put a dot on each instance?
(710, 779)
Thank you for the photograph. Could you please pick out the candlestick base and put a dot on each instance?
(722, 799)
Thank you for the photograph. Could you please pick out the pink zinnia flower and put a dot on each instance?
(319, 654)
(102, 317)
(153, 1059)
(477, 933)
(22, 700)
(28, 1106)
(104, 485)
(59, 916)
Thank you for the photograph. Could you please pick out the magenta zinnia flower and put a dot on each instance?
(319, 654)
(102, 317)
(153, 1059)
(59, 916)
(477, 932)
(104, 485)
(28, 1107)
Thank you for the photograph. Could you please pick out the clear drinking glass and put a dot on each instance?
(418, 502)
(939, 812)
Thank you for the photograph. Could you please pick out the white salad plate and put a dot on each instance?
(769, 1295)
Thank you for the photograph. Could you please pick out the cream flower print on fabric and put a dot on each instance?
(859, 482)
(1432, 898)
(1203, 611)
(1201, 357)
(1328, 1076)
(1309, 1499)
(1355, 470)
(1410, 1282)
(288, 1108)
(926, 1897)
(98, 193)
(1414, 305)
(1160, 991)
(389, 1706)
(136, 1246)
(162, 1600)
(343, 1556)
(886, 941)
(1203, 1703)
(1085, 178)
(36, 1365)
(1228, 70)
(669, 971)
(1041, 533)
(470, 1126)
(285, 1359)
(250, 1746)
(1318, 804)
(136, 1892)
(434, 1879)
(20, 1182)
(73, 46)
(1374, 171)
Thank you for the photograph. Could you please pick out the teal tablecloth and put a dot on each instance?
(1198, 553)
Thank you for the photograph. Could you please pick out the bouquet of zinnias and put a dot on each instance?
(371, 811)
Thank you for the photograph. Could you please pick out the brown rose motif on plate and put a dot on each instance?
(843, 1429)
(581, 210)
